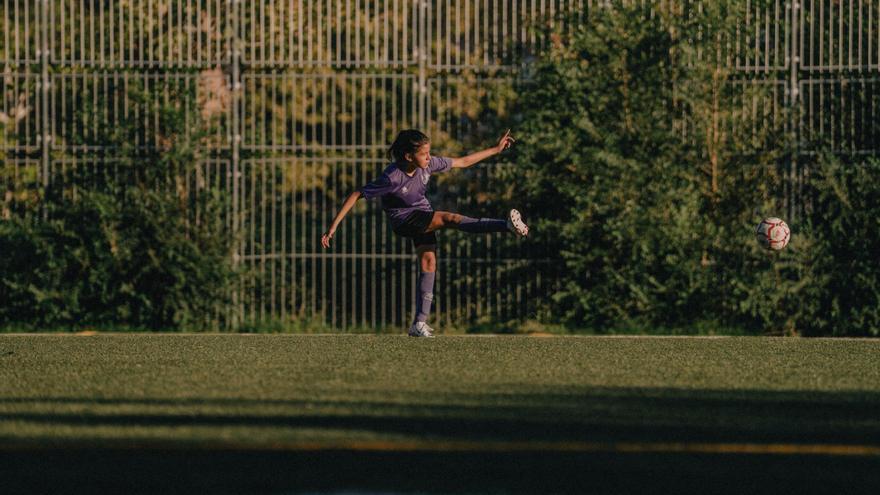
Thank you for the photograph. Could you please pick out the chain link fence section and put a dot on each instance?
(139, 33)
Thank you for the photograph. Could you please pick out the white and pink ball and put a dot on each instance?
(773, 233)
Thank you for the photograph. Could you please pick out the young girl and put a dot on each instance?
(402, 186)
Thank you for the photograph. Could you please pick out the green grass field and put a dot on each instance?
(270, 413)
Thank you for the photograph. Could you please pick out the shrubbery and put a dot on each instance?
(135, 243)
(650, 163)
(839, 290)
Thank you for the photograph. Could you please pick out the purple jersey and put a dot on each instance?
(402, 194)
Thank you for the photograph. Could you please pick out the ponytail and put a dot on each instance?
(407, 141)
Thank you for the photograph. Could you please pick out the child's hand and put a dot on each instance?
(505, 142)
(325, 239)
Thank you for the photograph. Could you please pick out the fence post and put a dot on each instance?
(45, 87)
(422, 47)
(235, 145)
(794, 198)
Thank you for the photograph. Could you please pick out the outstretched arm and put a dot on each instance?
(505, 142)
(346, 207)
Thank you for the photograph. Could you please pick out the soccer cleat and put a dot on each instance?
(516, 225)
(420, 329)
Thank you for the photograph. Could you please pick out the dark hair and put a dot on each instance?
(407, 141)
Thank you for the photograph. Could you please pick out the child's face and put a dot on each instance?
(421, 157)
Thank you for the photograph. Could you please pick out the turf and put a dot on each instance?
(147, 398)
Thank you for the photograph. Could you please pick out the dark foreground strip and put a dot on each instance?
(447, 467)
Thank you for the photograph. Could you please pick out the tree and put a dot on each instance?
(647, 159)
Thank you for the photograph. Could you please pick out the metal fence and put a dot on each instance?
(304, 96)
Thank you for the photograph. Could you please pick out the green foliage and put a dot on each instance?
(648, 160)
(842, 239)
(135, 243)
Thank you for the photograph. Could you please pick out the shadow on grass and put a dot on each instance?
(594, 414)
(564, 415)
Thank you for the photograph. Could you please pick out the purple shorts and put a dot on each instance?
(414, 226)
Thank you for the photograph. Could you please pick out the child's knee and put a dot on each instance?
(452, 219)
(428, 261)
(429, 264)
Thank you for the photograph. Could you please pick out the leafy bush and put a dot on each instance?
(842, 237)
(138, 244)
(647, 164)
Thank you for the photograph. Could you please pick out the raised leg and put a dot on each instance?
(448, 220)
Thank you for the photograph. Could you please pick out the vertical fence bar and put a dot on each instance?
(234, 37)
(422, 48)
(45, 94)
(794, 194)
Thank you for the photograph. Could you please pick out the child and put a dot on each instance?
(402, 187)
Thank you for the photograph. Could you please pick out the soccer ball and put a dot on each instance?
(772, 233)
